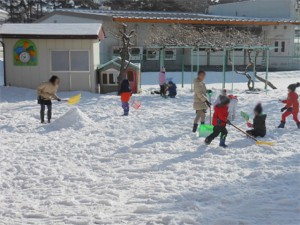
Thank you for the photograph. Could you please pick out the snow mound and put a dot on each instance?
(74, 118)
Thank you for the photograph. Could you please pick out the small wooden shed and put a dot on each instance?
(35, 52)
(109, 72)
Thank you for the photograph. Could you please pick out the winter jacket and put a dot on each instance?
(259, 122)
(47, 91)
(220, 116)
(162, 78)
(292, 102)
(125, 91)
(172, 88)
(200, 95)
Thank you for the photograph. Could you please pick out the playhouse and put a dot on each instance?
(108, 73)
(34, 52)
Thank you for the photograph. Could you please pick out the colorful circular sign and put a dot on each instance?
(25, 53)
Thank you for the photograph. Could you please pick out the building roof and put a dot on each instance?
(174, 17)
(53, 30)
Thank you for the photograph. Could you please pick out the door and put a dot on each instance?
(131, 76)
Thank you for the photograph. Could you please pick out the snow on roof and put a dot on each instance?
(148, 16)
(51, 29)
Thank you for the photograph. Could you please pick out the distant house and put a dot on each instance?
(34, 52)
(275, 21)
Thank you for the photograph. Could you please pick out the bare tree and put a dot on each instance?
(125, 37)
(213, 39)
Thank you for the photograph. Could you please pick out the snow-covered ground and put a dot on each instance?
(92, 166)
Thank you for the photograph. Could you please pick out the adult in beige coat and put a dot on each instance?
(46, 92)
(201, 102)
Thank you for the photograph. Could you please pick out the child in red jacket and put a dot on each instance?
(291, 107)
(125, 93)
(220, 121)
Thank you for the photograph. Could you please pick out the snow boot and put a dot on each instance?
(126, 113)
(207, 141)
(222, 142)
(195, 127)
(281, 125)
(298, 125)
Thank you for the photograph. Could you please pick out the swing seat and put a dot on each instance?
(204, 130)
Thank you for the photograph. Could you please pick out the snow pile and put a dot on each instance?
(74, 119)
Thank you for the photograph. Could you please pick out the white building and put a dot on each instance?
(284, 36)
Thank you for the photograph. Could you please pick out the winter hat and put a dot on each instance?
(293, 87)
(163, 69)
(224, 100)
(258, 108)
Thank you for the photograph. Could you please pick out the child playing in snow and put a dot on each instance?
(172, 89)
(259, 123)
(219, 121)
(162, 81)
(125, 93)
(232, 105)
(291, 107)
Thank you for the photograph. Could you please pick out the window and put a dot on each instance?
(152, 54)
(116, 52)
(135, 51)
(283, 46)
(169, 54)
(79, 60)
(70, 61)
(130, 76)
(276, 46)
(60, 60)
(104, 78)
(109, 78)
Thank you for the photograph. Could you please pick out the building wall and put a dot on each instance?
(282, 33)
(32, 76)
(259, 8)
(143, 31)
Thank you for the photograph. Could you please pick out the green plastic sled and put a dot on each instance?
(205, 130)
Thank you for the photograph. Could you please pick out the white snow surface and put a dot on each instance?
(93, 166)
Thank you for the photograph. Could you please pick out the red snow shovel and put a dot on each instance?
(253, 138)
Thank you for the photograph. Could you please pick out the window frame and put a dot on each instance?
(108, 73)
(70, 64)
(156, 55)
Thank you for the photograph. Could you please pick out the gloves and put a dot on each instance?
(249, 124)
(283, 109)
(208, 103)
(228, 122)
(59, 99)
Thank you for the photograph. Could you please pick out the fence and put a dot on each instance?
(211, 61)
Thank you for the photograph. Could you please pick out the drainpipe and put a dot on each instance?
(4, 68)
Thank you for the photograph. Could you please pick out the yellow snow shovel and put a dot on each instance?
(253, 138)
(74, 100)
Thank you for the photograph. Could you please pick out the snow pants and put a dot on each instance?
(288, 113)
(200, 114)
(125, 106)
(217, 130)
(256, 132)
(49, 112)
(162, 90)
